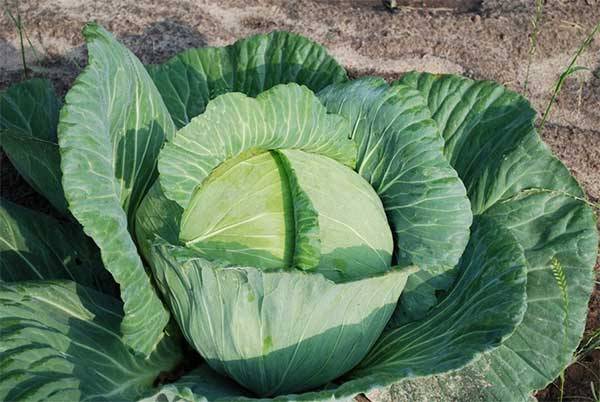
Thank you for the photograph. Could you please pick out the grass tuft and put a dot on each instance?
(15, 17)
(570, 70)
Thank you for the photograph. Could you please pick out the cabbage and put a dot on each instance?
(245, 222)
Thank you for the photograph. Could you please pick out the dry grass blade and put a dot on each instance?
(535, 26)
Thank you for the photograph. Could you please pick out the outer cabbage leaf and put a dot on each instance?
(483, 307)
(552, 228)
(276, 331)
(511, 175)
(111, 129)
(28, 121)
(481, 311)
(34, 246)
(251, 65)
(490, 138)
(400, 152)
(61, 342)
(286, 116)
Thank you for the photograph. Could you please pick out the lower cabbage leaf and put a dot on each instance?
(35, 246)
(28, 125)
(61, 342)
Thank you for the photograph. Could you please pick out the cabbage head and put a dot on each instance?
(247, 223)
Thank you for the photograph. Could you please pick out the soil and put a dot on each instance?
(486, 39)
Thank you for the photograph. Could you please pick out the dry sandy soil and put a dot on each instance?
(486, 39)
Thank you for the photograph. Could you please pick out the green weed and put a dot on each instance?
(15, 17)
(570, 70)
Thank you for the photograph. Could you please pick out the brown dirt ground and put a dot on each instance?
(490, 41)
